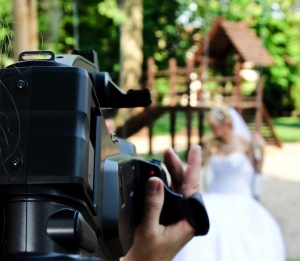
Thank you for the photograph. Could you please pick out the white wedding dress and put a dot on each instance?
(241, 229)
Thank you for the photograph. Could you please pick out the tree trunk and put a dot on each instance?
(24, 26)
(131, 50)
(131, 45)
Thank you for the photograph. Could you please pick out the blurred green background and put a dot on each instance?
(171, 29)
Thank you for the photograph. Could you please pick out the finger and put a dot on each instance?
(192, 177)
(154, 199)
(181, 229)
(175, 168)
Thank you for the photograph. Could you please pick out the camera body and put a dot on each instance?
(69, 189)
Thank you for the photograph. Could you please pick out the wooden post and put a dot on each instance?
(189, 126)
(150, 131)
(150, 85)
(24, 26)
(172, 80)
(172, 126)
(189, 67)
(201, 125)
(202, 71)
(189, 70)
(238, 82)
(269, 122)
(259, 105)
(201, 110)
(151, 78)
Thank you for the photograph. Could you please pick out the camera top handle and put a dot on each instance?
(108, 93)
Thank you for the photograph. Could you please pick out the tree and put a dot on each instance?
(277, 24)
(97, 31)
(131, 55)
(24, 26)
(131, 44)
(5, 33)
(172, 29)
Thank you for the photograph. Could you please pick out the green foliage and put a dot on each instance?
(5, 33)
(99, 30)
(163, 36)
(248, 88)
(110, 9)
(96, 31)
(162, 85)
(295, 94)
(277, 24)
(283, 79)
(172, 29)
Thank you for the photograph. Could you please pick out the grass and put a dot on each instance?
(287, 128)
(161, 126)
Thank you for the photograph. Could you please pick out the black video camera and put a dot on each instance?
(68, 189)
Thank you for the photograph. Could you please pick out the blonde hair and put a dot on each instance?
(217, 115)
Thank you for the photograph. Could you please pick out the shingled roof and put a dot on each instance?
(226, 34)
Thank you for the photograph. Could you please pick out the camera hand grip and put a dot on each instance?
(176, 208)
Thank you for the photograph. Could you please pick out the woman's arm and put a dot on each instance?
(257, 151)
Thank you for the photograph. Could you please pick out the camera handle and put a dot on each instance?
(175, 207)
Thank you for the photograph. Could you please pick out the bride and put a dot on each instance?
(241, 229)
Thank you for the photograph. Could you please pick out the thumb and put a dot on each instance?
(154, 199)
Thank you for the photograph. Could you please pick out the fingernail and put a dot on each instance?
(153, 185)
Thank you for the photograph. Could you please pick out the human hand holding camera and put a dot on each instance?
(153, 241)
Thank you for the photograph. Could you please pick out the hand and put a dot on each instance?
(153, 241)
(184, 182)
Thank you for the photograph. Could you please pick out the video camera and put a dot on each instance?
(68, 189)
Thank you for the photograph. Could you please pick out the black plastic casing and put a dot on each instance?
(62, 194)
